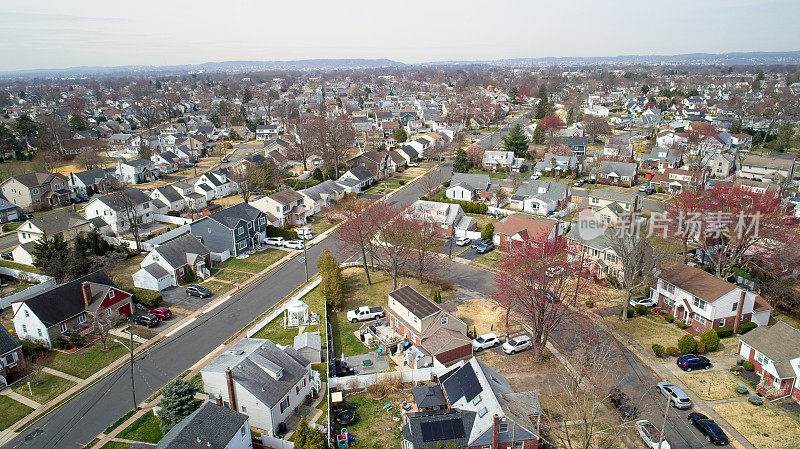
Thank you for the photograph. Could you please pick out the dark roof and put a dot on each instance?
(230, 216)
(361, 172)
(429, 396)
(286, 196)
(170, 193)
(177, 251)
(414, 301)
(780, 343)
(410, 151)
(58, 221)
(117, 202)
(64, 301)
(461, 382)
(697, 282)
(427, 429)
(7, 341)
(138, 162)
(37, 179)
(210, 426)
(91, 177)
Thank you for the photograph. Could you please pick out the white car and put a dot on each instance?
(485, 341)
(650, 435)
(304, 233)
(413, 164)
(644, 301)
(274, 241)
(516, 344)
(536, 176)
(294, 244)
(463, 241)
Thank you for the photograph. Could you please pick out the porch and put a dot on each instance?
(771, 387)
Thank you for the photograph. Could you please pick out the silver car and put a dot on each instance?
(677, 397)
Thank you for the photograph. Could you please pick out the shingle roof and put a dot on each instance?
(697, 282)
(170, 193)
(177, 252)
(116, 200)
(470, 181)
(230, 216)
(58, 221)
(37, 179)
(361, 173)
(414, 301)
(210, 426)
(7, 341)
(91, 177)
(286, 196)
(780, 343)
(525, 225)
(64, 301)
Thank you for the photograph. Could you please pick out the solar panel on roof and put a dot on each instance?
(449, 429)
(462, 383)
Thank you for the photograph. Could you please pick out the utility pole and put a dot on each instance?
(130, 349)
(664, 424)
(305, 256)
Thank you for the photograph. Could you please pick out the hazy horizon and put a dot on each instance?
(53, 35)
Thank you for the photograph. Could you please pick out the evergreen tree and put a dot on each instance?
(539, 135)
(332, 284)
(512, 94)
(516, 141)
(460, 162)
(570, 116)
(400, 135)
(177, 403)
(543, 105)
(785, 136)
(488, 231)
(318, 175)
(306, 437)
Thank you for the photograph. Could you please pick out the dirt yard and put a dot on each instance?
(711, 385)
(761, 426)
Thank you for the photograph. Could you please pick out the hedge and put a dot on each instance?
(468, 206)
(672, 351)
(756, 400)
(640, 309)
(669, 318)
(300, 184)
(687, 344)
(146, 297)
(710, 339)
(747, 327)
(274, 231)
(724, 331)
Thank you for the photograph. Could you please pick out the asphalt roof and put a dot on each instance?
(177, 252)
(58, 221)
(431, 428)
(697, 282)
(414, 301)
(230, 216)
(7, 341)
(210, 426)
(780, 343)
(429, 396)
(64, 301)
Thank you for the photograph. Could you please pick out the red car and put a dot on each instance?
(161, 312)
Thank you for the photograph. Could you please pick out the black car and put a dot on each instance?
(23, 217)
(623, 403)
(485, 247)
(480, 242)
(198, 290)
(689, 362)
(649, 191)
(146, 320)
(712, 431)
(7, 255)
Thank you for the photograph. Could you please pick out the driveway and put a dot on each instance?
(178, 297)
(470, 254)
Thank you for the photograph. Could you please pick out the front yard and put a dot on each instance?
(11, 411)
(646, 332)
(711, 385)
(145, 429)
(217, 287)
(761, 426)
(86, 361)
(50, 386)
(254, 263)
(275, 331)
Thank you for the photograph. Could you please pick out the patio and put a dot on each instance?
(368, 363)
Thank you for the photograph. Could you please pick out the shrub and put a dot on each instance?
(589, 303)
(468, 206)
(640, 309)
(658, 350)
(147, 298)
(174, 213)
(687, 344)
(488, 231)
(228, 145)
(748, 365)
(682, 325)
(741, 389)
(672, 351)
(660, 189)
(189, 275)
(669, 318)
(402, 182)
(756, 400)
(747, 327)
(74, 339)
(612, 281)
(630, 312)
(274, 231)
(701, 348)
(724, 331)
(710, 339)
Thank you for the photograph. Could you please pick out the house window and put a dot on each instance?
(760, 358)
(519, 445)
(735, 306)
(108, 312)
(669, 287)
(699, 318)
(111, 293)
(82, 318)
(477, 400)
(242, 430)
(241, 230)
(503, 426)
(38, 331)
(27, 314)
(261, 221)
(63, 328)
(244, 409)
(482, 412)
(699, 303)
(722, 322)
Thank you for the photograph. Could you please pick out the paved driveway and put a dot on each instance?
(178, 297)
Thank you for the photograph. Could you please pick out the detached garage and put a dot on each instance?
(152, 277)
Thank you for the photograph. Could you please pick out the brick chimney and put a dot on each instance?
(87, 293)
(231, 394)
(496, 432)
(738, 318)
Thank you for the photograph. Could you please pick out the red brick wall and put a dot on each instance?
(454, 355)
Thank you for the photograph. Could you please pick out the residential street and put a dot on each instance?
(491, 140)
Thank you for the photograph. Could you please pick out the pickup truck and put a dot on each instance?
(365, 314)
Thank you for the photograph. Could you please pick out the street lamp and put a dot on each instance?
(130, 349)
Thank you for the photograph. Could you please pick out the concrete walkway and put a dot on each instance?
(61, 374)
(122, 334)
(20, 398)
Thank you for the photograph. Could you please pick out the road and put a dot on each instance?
(493, 139)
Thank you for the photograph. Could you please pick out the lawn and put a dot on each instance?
(711, 385)
(217, 288)
(18, 266)
(228, 200)
(11, 411)
(483, 220)
(49, 388)
(274, 329)
(145, 428)
(233, 276)
(376, 427)
(122, 274)
(254, 263)
(491, 258)
(492, 175)
(197, 381)
(88, 360)
(319, 225)
(646, 332)
(322, 369)
(115, 445)
(761, 426)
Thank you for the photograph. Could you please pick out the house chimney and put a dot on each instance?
(496, 432)
(738, 318)
(87, 293)
(231, 394)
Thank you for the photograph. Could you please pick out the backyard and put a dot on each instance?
(376, 426)
(86, 361)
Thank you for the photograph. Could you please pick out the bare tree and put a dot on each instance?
(499, 195)
(637, 260)
(423, 244)
(89, 159)
(515, 179)
(144, 151)
(337, 137)
(242, 174)
(393, 243)
(308, 130)
(362, 220)
(430, 181)
(47, 160)
(126, 202)
(103, 324)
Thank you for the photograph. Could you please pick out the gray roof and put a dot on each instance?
(471, 181)
(613, 195)
(7, 341)
(170, 193)
(429, 396)
(230, 216)
(138, 162)
(156, 270)
(326, 188)
(210, 426)
(286, 196)
(780, 343)
(58, 221)
(361, 173)
(37, 179)
(416, 303)
(600, 243)
(116, 200)
(253, 361)
(179, 251)
(620, 168)
(410, 151)
(308, 340)
(91, 177)
(544, 190)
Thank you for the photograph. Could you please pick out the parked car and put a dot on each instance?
(622, 402)
(23, 217)
(485, 341)
(712, 431)
(516, 344)
(304, 233)
(578, 183)
(677, 397)
(225, 160)
(365, 313)
(198, 290)
(689, 362)
(147, 320)
(7, 255)
(485, 247)
(274, 241)
(536, 176)
(463, 241)
(651, 435)
(413, 164)
(644, 301)
(643, 187)
(649, 191)
(161, 312)
(293, 244)
(478, 242)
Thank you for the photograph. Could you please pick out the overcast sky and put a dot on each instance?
(57, 34)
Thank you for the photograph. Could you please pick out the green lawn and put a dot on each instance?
(322, 369)
(376, 427)
(11, 411)
(319, 225)
(254, 263)
(233, 276)
(122, 274)
(197, 380)
(119, 422)
(492, 175)
(275, 332)
(18, 287)
(88, 360)
(647, 332)
(8, 227)
(217, 288)
(145, 428)
(18, 266)
(49, 388)
(491, 259)
(116, 445)
(483, 220)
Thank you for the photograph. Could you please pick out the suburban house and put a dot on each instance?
(8, 211)
(260, 379)
(36, 190)
(167, 198)
(378, 163)
(597, 253)
(232, 231)
(427, 325)
(96, 180)
(210, 426)
(741, 141)
(676, 180)
(449, 217)
(500, 160)
(65, 223)
(704, 302)
(482, 411)
(166, 161)
(356, 180)
(397, 160)
(173, 263)
(775, 353)
(286, 205)
(194, 201)
(136, 171)
(577, 144)
(10, 357)
(661, 158)
(409, 152)
(468, 186)
(525, 228)
(766, 168)
(541, 197)
(324, 194)
(554, 163)
(617, 173)
(264, 132)
(721, 165)
(117, 209)
(76, 306)
(214, 184)
(610, 206)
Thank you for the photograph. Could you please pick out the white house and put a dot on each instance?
(171, 263)
(214, 184)
(541, 197)
(116, 209)
(167, 198)
(136, 171)
(210, 426)
(468, 186)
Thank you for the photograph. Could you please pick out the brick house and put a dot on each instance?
(617, 173)
(424, 323)
(521, 228)
(704, 301)
(775, 353)
(377, 162)
(676, 180)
